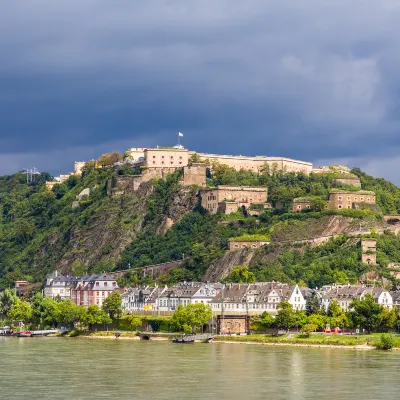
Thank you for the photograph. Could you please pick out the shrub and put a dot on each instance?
(308, 328)
(385, 342)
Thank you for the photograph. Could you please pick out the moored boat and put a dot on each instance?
(24, 334)
(183, 340)
(6, 331)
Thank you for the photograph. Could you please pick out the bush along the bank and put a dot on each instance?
(385, 342)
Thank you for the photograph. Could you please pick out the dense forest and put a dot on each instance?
(38, 227)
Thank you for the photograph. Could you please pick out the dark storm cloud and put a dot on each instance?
(311, 80)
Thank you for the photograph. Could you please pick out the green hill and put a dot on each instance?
(42, 229)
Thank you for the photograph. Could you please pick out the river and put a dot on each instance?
(56, 368)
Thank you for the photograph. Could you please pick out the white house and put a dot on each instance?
(58, 285)
(257, 298)
(346, 294)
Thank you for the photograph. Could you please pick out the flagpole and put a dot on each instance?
(179, 139)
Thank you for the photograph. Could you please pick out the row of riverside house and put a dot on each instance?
(86, 290)
(231, 298)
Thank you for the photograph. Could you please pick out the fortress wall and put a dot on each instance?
(257, 162)
(195, 174)
(238, 245)
(348, 181)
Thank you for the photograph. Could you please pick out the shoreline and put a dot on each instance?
(328, 346)
(244, 342)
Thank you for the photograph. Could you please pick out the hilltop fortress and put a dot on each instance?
(162, 160)
(178, 157)
(156, 163)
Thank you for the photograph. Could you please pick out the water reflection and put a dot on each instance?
(48, 368)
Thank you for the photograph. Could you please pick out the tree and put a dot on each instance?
(194, 158)
(318, 320)
(176, 275)
(7, 300)
(94, 316)
(78, 268)
(113, 304)
(109, 159)
(366, 313)
(285, 318)
(60, 190)
(22, 231)
(263, 321)
(389, 318)
(89, 166)
(313, 305)
(21, 311)
(308, 328)
(334, 310)
(240, 274)
(318, 204)
(192, 315)
(300, 318)
(69, 312)
(49, 312)
(134, 322)
(341, 320)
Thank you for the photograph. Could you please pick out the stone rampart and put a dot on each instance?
(348, 181)
(258, 162)
(119, 185)
(195, 174)
(251, 244)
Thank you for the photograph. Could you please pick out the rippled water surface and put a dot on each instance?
(54, 368)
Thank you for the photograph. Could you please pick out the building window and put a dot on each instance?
(105, 283)
(162, 162)
(162, 156)
(180, 157)
(154, 162)
(154, 156)
(340, 197)
(97, 284)
(340, 206)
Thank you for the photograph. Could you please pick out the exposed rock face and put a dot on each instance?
(294, 230)
(107, 232)
(224, 265)
(291, 234)
(84, 192)
(183, 202)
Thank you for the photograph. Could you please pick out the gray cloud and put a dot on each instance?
(312, 80)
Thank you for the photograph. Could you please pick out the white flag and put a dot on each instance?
(180, 134)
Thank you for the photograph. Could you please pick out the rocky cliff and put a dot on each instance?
(112, 226)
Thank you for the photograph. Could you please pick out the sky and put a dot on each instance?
(312, 80)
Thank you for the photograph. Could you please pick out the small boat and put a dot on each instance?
(24, 334)
(6, 331)
(43, 332)
(183, 340)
